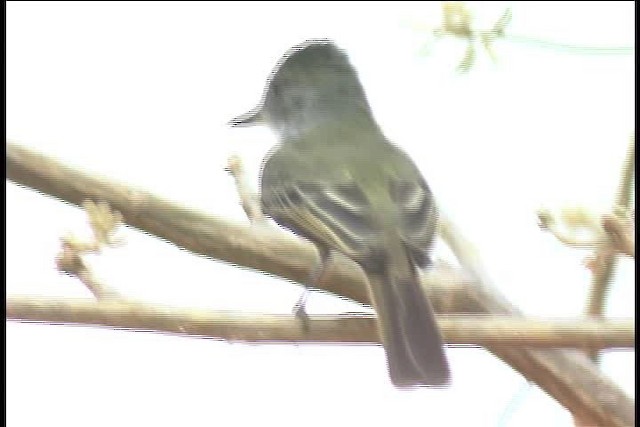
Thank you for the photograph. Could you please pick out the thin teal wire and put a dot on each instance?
(590, 50)
(513, 404)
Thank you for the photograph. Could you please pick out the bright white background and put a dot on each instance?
(141, 92)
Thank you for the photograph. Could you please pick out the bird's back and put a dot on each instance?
(344, 183)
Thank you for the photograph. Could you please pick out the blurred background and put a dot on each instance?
(141, 93)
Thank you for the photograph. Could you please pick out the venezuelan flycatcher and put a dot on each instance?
(337, 181)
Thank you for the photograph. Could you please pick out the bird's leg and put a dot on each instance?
(315, 277)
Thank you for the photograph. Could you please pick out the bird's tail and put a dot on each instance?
(410, 335)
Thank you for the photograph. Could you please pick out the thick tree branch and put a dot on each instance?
(568, 376)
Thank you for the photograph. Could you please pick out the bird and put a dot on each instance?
(336, 180)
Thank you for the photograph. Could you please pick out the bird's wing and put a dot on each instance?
(417, 216)
(340, 216)
(335, 215)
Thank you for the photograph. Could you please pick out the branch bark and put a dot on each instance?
(347, 328)
(569, 376)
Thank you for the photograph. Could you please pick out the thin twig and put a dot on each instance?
(104, 223)
(248, 199)
(606, 257)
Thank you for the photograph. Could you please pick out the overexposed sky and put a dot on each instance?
(142, 92)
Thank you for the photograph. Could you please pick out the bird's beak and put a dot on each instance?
(253, 117)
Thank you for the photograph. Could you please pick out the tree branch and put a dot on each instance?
(607, 264)
(568, 376)
(346, 328)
